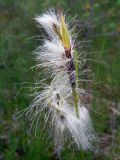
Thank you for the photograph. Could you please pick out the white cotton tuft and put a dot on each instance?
(47, 20)
(87, 127)
(78, 128)
(59, 100)
(52, 55)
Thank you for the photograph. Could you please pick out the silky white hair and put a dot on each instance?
(56, 101)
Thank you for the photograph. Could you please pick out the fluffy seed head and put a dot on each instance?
(61, 99)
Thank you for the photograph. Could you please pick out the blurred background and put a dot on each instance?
(98, 23)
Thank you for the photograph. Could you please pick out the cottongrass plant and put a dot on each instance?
(60, 102)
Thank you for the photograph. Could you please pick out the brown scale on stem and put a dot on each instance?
(70, 67)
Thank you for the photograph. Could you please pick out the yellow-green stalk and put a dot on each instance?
(75, 94)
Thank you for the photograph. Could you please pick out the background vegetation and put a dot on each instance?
(99, 21)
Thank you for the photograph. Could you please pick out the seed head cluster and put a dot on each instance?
(60, 101)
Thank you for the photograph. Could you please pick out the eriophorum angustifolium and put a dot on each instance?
(61, 101)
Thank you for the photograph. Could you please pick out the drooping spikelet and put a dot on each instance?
(60, 101)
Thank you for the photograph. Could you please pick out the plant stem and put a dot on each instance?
(75, 94)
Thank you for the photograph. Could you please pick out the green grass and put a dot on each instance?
(17, 29)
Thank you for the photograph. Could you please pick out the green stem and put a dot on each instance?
(82, 155)
(75, 95)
